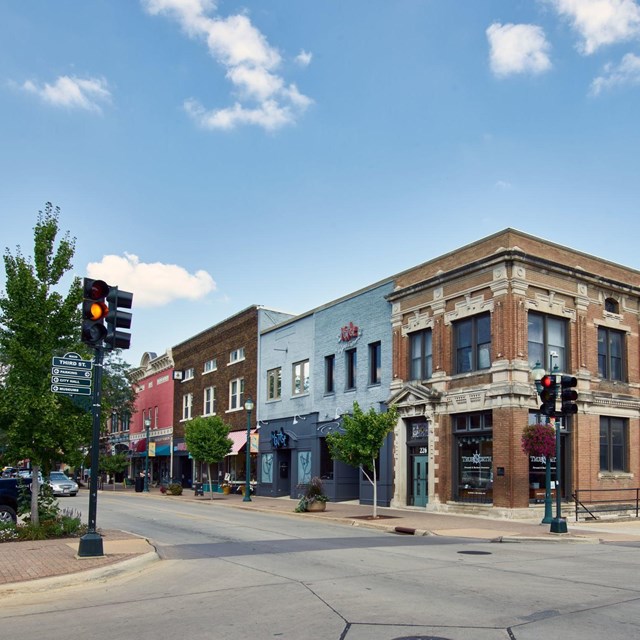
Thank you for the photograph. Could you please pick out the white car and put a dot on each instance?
(62, 485)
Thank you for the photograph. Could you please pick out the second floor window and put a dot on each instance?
(274, 384)
(547, 335)
(300, 378)
(209, 406)
(473, 343)
(351, 364)
(329, 374)
(189, 373)
(210, 365)
(610, 354)
(187, 404)
(421, 355)
(236, 394)
(375, 363)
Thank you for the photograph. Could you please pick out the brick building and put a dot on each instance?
(153, 383)
(468, 329)
(215, 372)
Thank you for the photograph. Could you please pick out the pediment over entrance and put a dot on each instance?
(414, 394)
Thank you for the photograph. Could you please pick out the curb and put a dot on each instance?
(78, 578)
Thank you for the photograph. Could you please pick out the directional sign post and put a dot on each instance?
(71, 375)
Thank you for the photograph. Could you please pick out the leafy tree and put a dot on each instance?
(208, 441)
(118, 395)
(114, 464)
(38, 322)
(360, 442)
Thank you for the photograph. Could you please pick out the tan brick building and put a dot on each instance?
(468, 328)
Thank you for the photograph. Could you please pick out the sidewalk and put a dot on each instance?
(22, 563)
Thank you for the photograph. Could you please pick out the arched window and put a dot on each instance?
(611, 305)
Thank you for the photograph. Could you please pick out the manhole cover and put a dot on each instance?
(421, 638)
(475, 553)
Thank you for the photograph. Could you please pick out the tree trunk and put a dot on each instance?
(375, 491)
(35, 490)
(210, 483)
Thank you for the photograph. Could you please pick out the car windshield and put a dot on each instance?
(58, 476)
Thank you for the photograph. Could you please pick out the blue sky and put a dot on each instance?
(213, 155)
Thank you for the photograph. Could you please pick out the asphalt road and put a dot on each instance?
(230, 574)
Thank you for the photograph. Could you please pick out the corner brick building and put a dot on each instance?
(468, 329)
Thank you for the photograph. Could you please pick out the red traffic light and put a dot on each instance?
(548, 381)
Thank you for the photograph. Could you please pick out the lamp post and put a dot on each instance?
(147, 425)
(538, 373)
(248, 405)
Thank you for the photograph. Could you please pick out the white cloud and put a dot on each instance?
(517, 48)
(72, 92)
(304, 58)
(601, 22)
(251, 64)
(503, 185)
(152, 284)
(625, 73)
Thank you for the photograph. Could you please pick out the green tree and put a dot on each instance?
(360, 441)
(208, 441)
(38, 322)
(116, 463)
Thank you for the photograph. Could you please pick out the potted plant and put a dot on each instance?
(312, 498)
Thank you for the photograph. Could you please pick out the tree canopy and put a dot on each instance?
(208, 441)
(38, 322)
(360, 441)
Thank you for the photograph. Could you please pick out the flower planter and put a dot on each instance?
(317, 506)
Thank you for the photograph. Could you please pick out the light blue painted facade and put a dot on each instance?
(293, 426)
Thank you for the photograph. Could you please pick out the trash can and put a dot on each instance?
(198, 489)
(139, 485)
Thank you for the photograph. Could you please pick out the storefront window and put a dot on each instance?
(474, 457)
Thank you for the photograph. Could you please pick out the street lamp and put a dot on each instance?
(147, 425)
(248, 405)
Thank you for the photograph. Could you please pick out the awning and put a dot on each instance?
(140, 446)
(239, 439)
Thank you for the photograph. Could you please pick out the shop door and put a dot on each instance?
(419, 486)
(284, 473)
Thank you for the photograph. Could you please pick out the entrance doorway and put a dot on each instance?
(283, 472)
(419, 472)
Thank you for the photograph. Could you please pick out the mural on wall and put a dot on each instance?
(267, 468)
(304, 467)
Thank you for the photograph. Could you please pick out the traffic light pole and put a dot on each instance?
(558, 524)
(91, 543)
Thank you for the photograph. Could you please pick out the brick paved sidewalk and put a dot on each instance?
(32, 560)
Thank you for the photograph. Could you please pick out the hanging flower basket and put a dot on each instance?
(539, 440)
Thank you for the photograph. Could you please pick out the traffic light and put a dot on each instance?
(548, 393)
(94, 311)
(568, 395)
(118, 319)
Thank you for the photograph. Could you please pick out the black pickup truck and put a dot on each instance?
(8, 499)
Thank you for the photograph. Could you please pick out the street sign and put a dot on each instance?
(78, 374)
(76, 382)
(71, 390)
(72, 361)
(71, 375)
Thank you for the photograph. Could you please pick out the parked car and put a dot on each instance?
(62, 485)
(8, 500)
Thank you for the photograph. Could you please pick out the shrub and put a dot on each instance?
(175, 489)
